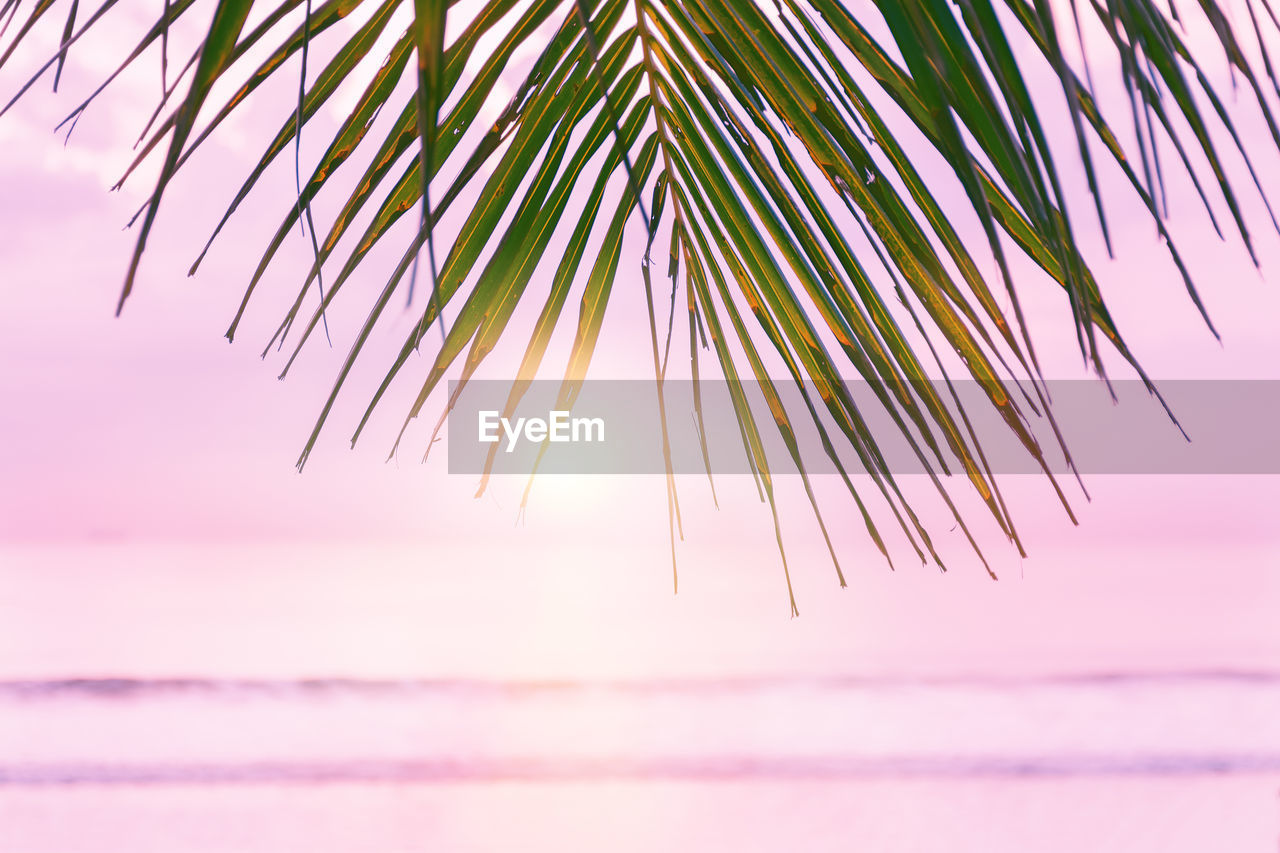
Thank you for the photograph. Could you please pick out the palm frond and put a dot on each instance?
(772, 143)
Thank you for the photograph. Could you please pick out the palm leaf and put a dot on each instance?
(771, 141)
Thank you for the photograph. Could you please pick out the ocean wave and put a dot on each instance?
(128, 687)
(701, 768)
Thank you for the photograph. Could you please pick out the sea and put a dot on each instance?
(1106, 761)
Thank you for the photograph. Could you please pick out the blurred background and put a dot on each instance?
(202, 649)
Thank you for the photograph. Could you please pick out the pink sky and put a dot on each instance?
(147, 487)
